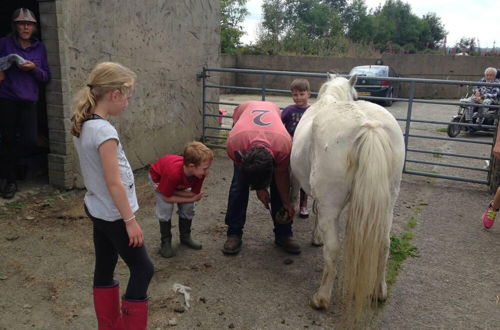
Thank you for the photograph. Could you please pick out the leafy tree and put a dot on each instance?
(467, 45)
(233, 13)
(325, 27)
(299, 26)
(433, 32)
(359, 24)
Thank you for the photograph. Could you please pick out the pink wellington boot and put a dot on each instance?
(135, 314)
(107, 307)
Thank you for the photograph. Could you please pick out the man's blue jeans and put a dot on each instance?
(238, 202)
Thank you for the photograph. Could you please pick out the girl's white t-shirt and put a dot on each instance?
(98, 199)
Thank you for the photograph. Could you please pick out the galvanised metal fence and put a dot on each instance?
(214, 134)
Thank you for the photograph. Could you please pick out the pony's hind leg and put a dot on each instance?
(382, 290)
(328, 224)
(316, 235)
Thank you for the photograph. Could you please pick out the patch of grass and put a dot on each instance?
(437, 155)
(15, 205)
(412, 223)
(421, 170)
(442, 130)
(401, 248)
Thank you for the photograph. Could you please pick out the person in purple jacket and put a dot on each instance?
(19, 89)
(301, 92)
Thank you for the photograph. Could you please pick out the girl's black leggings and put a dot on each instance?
(111, 240)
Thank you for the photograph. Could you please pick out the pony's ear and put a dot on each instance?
(329, 76)
(352, 80)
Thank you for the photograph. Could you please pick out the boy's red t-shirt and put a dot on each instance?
(167, 171)
(259, 123)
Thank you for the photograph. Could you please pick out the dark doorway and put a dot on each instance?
(33, 162)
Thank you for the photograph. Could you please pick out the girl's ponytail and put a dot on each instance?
(84, 103)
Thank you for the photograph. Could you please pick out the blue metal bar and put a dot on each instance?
(448, 154)
(408, 119)
(446, 165)
(218, 128)
(434, 137)
(204, 105)
(449, 177)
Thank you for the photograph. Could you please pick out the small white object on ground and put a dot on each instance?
(185, 290)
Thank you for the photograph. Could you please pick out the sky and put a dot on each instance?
(478, 19)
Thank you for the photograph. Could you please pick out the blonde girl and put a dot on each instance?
(110, 201)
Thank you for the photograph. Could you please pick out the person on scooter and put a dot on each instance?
(485, 95)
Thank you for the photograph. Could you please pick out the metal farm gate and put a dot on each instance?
(429, 151)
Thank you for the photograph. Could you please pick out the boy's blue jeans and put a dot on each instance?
(238, 202)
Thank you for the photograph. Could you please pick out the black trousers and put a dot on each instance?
(111, 240)
(237, 204)
(18, 134)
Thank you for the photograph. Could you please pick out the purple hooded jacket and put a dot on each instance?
(23, 85)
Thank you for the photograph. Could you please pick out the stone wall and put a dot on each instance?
(416, 66)
(167, 43)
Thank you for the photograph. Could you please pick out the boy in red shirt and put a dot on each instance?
(178, 180)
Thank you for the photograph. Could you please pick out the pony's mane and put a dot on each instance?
(338, 88)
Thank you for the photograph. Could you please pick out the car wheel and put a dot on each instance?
(388, 103)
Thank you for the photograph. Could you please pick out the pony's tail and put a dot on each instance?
(368, 222)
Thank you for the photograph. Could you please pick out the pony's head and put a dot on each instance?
(339, 88)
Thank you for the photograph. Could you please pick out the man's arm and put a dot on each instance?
(282, 178)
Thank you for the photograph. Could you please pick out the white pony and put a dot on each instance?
(350, 152)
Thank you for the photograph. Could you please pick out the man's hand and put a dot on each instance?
(290, 210)
(27, 66)
(263, 196)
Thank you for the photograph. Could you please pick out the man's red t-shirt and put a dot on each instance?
(259, 123)
(167, 171)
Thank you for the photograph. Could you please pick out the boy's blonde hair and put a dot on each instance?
(300, 85)
(196, 153)
(104, 77)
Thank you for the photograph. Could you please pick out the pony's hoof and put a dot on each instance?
(316, 243)
(382, 295)
(318, 302)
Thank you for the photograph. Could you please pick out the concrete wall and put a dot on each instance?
(417, 66)
(165, 42)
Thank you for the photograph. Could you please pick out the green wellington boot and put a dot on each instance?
(185, 233)
(166, 239)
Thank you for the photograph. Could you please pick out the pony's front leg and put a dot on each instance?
(327, 221)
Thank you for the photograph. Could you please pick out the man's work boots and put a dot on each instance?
(232, 245)
(288, 244)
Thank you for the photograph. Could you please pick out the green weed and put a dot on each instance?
(401, 248)
(442, 130)
(421, 170)
(15, 205)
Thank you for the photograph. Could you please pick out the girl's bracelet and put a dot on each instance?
(129, 219)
